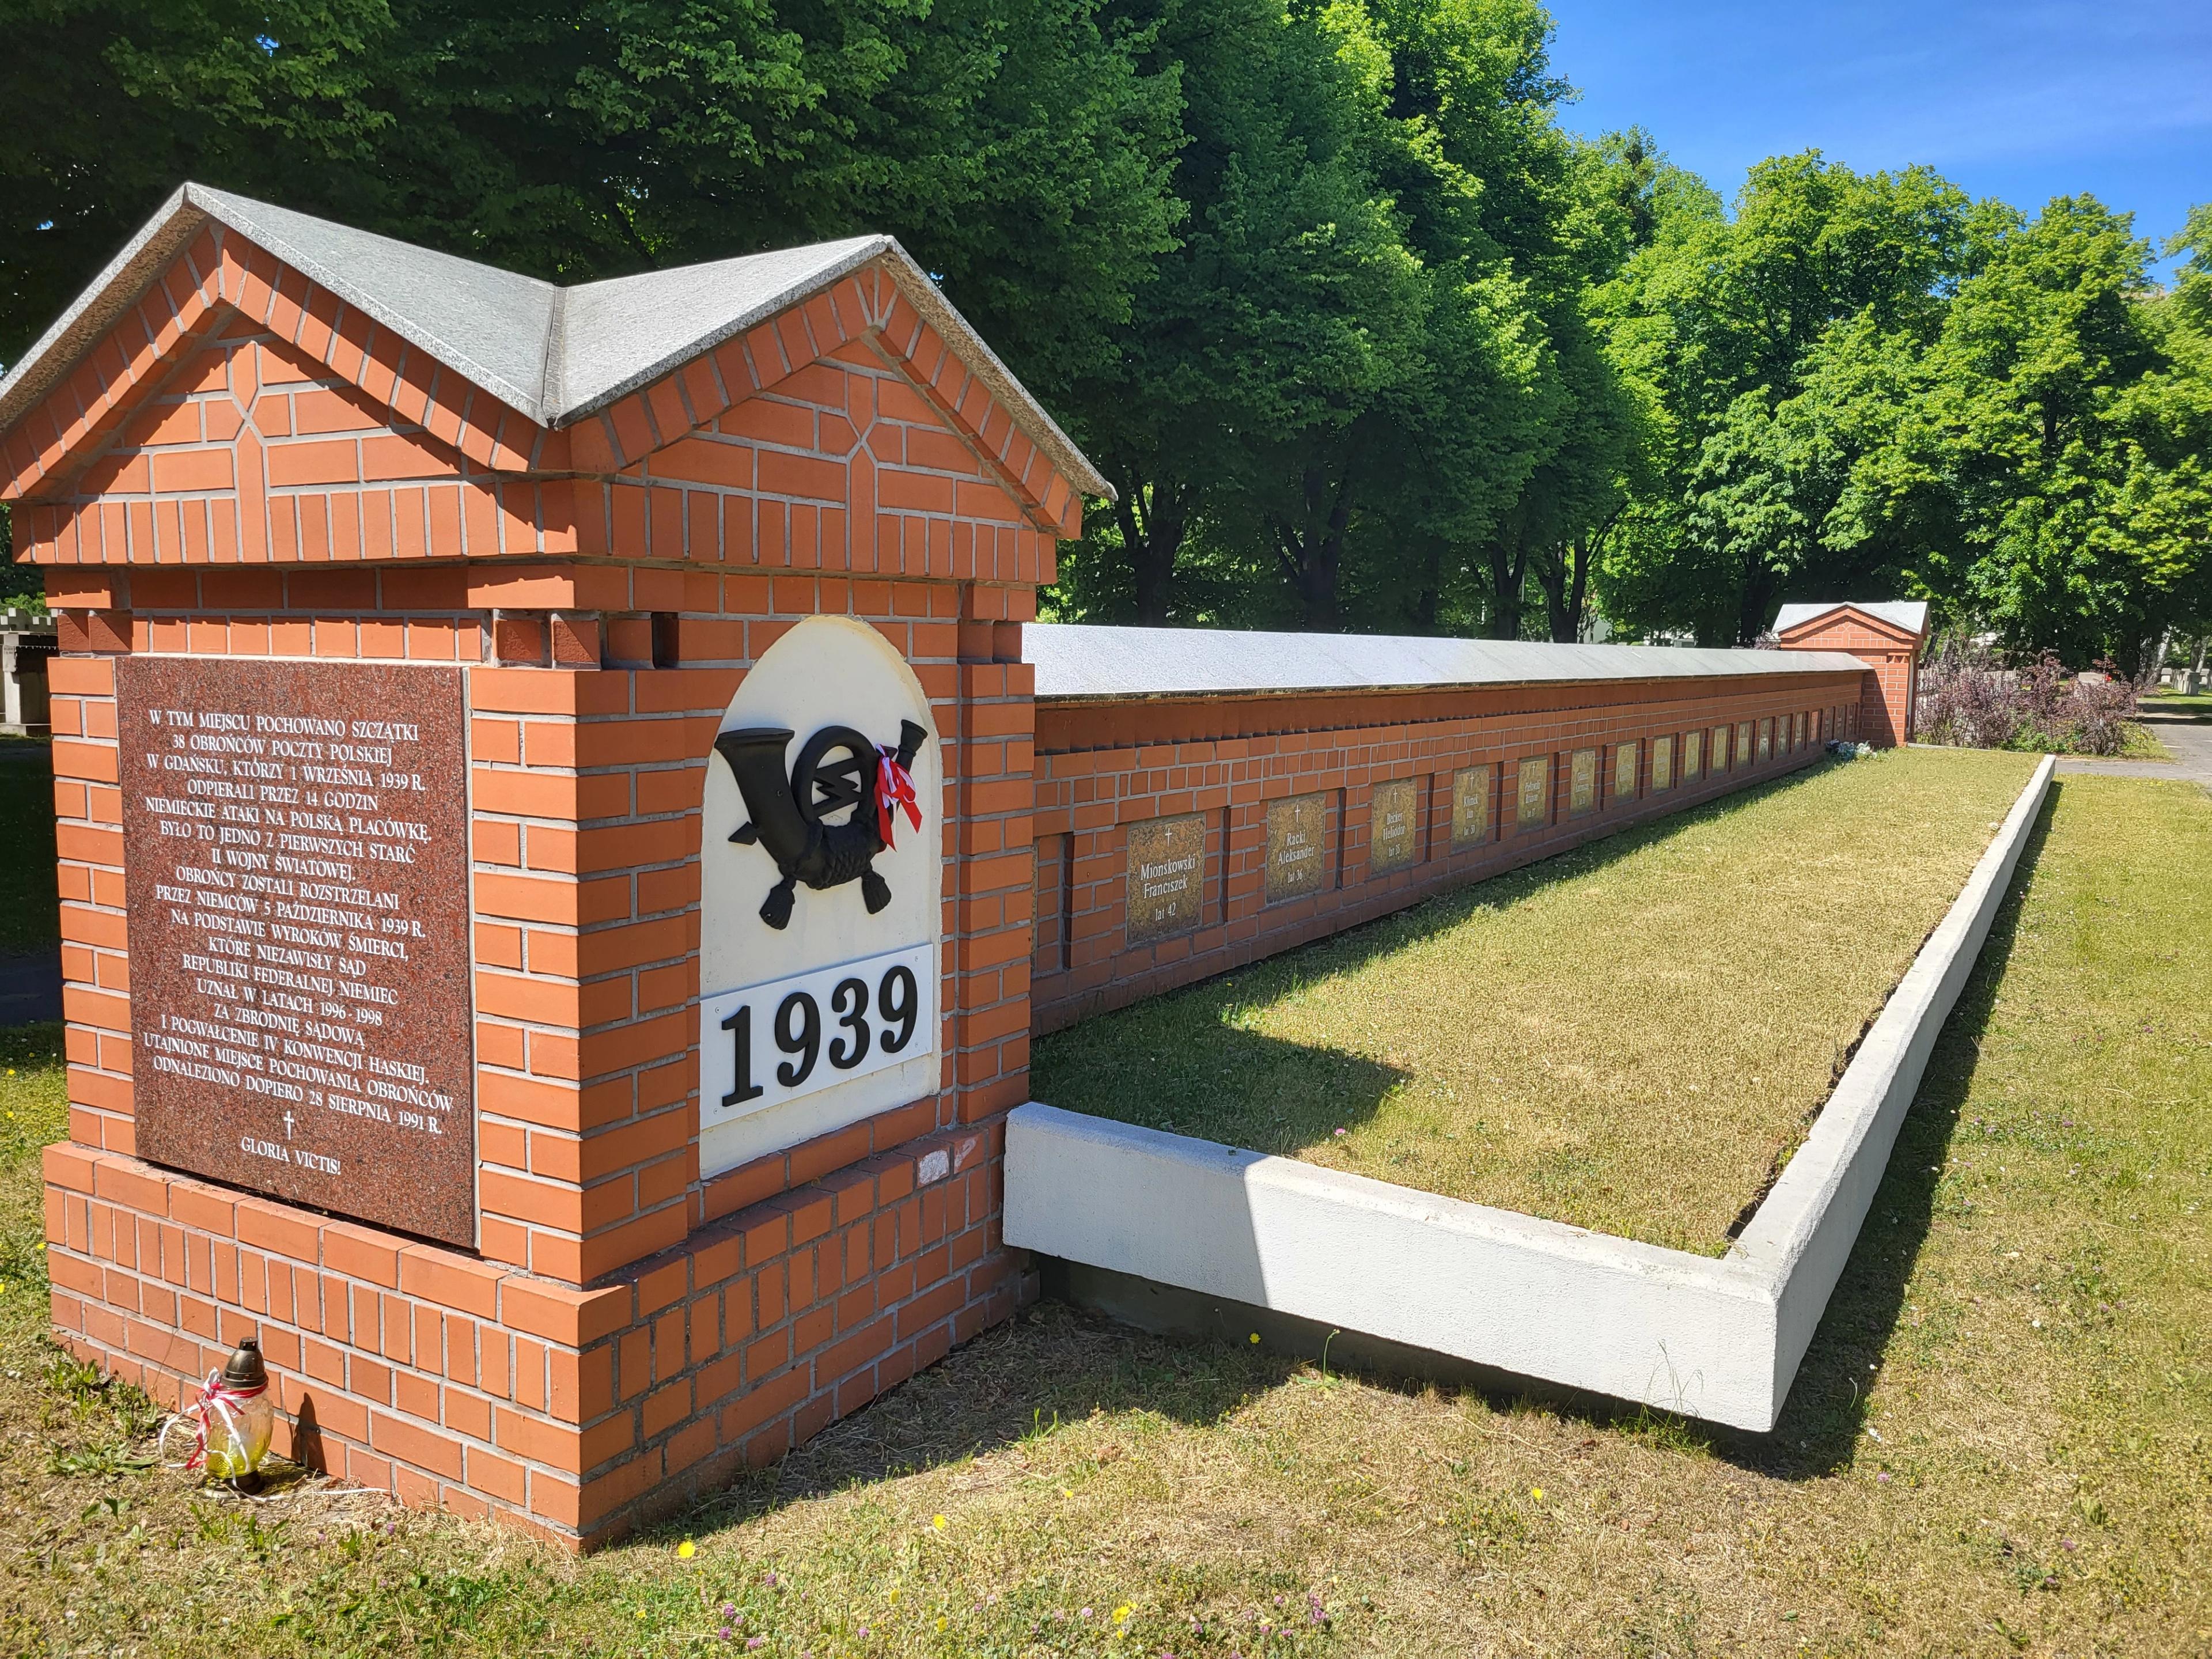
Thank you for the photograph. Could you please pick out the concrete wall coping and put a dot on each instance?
(1715, 1339)
(1078, 660)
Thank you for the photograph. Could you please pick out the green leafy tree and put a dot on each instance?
(1014, 145)
(1288, 307)
(2075, 446)
(1758, 340)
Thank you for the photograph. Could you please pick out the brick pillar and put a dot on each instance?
(615, 1320)
(1890, 650)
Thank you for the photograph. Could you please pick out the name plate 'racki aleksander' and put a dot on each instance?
(297, 879)
(1297, 846)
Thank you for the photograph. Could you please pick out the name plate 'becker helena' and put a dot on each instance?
(298, 888)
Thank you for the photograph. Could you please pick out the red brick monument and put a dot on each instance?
(547, 782)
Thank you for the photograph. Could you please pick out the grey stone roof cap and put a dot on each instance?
(1910, 615)
(556, 355)
(1075, 660)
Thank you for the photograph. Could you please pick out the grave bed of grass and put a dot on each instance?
(1996, 1446)
(1629, 1037)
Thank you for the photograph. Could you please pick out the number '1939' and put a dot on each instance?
(766, 1044)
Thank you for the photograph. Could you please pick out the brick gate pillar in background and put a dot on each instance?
(432, 723)
(1888, 636)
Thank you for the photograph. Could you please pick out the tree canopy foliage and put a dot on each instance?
(1362, 333)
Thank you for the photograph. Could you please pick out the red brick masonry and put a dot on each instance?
(1102, 768)
(244, 467)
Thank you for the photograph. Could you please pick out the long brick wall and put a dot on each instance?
(1105, 769)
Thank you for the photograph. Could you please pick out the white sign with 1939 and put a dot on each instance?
(767, 1044)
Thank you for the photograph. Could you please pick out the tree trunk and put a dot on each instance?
(1585, 554)
(1312, 552)
(1428, 598)
(1758, 584)
(1154, 519)
(1507, 558)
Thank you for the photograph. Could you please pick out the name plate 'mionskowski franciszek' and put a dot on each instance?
(297, 854)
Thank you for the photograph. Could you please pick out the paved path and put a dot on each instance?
(2191, 740)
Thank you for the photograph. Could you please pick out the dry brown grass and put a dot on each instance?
(1998, 1443)
(1628, 1038)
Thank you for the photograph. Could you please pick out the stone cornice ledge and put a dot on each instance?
(1719, 1339)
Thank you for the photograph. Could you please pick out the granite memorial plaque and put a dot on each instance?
(1743, 737)
(295, 844)
(1582, 780)
(1624, 771)
(1167, 876)
(1533, 807)
(1298, 846)
(1393, 814)
(1470, 807)
(1662, 764)
(1720, 755)
(1693, 744)
(1766, 738)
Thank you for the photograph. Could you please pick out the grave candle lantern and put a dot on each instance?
(235, 1416)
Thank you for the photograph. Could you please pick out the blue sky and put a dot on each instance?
(2023, 101)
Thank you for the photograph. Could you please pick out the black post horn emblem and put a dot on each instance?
(837, 768)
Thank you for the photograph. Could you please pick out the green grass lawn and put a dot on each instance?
(1998, 1444)
(2173, 703)
(30, 910)
(1628, 1038)
(2141, 742)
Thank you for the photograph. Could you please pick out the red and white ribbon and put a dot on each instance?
(894, 792)
(218, 1396)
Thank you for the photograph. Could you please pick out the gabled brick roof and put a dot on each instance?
(556, 356)
(1907, 617)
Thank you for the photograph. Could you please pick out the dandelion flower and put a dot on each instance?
(1255, 1337)
(686, 1550)
(1536, 1492)
(1122, 1612)
(938, 1522)
(1067, 1492)
(942, 1621)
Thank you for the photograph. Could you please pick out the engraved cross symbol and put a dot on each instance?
(288, 1126)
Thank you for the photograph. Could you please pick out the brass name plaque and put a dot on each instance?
(1392, 839)
(1470, 807)
(1582, 780)
(1298, 846)
(1167, 876)
(1534, 807)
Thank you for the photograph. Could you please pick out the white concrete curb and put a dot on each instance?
(1714, 1339)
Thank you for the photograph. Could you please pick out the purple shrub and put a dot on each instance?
(1971, 697)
